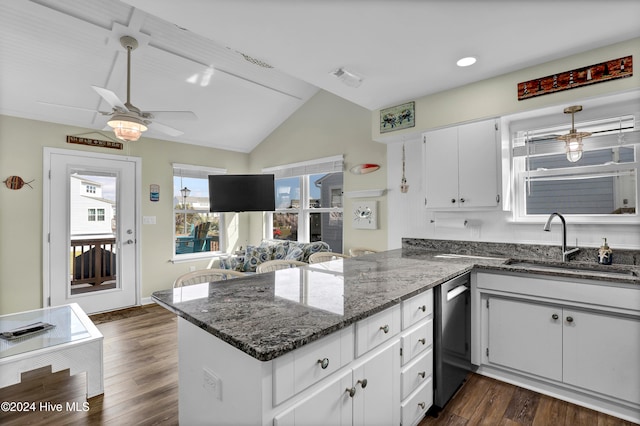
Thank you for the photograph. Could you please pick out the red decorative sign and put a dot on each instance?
(592, 74)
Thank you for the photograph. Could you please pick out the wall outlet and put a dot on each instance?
(212, 383)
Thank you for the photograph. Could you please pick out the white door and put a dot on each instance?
(90, 230)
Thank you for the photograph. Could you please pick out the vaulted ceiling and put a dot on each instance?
(244, 66)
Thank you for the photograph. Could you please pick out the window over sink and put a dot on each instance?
(602, 187)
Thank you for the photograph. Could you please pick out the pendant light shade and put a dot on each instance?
(127, 128)
(573, 140)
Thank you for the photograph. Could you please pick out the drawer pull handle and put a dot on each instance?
(554, 316)
(422, 308)
(351, 391)
(423, 341)
(569, 319)
(422, 405)
(422, 374)
(385, 328)
(362, 383)
(324, 363)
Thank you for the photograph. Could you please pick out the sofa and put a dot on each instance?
(272, 250)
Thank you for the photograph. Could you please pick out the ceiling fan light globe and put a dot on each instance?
(127, 128)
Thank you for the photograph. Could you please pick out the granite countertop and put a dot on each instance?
(267, 315)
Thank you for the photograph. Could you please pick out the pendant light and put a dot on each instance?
(573, 140)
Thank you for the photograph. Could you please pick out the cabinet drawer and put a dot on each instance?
(299, 369)
(414, 408)
(417, 308)
(416, 340)
(416, 373)
(377, 329)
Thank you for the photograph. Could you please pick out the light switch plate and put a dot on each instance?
(148, 220)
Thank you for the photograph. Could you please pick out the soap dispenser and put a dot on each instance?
(605, 254)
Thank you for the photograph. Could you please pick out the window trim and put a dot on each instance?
(594, 109)
(303, 170)
(198, 172)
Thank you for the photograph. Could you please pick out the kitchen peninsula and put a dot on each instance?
(269, 348)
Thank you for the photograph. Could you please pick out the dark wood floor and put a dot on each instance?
(141, 386)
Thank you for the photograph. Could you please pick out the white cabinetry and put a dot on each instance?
(417, 357)
(366, 394)
(350, 377)
(575, 339)
(461, 166)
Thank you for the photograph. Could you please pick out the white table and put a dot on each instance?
(74, 343)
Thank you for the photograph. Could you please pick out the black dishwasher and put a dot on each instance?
(452, 348)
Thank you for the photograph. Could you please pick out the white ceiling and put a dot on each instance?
(53, 51)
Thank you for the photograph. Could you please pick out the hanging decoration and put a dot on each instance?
(16, 182)
(363, 169)
(592, 74)
(95, 142)
(403, 183)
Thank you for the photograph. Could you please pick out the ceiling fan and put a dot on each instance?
(128, 121)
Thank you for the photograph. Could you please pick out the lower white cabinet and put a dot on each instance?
(367, 394)
(525, 336)
(576, 340)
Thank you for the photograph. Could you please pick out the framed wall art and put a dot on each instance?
(397, 117)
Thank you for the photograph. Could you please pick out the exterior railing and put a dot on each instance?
(93, 263)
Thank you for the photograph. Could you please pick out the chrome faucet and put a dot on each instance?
(547, 227)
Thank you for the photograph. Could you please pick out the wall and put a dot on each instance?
(326, 126)
(21, 147)
(495, 97)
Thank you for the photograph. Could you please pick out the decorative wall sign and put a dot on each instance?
(94, 142)
(154, 192)
(16, 182)
(592, 74)
(397, 117)
(365, 215)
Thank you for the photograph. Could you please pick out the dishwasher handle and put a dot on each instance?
(456, 291)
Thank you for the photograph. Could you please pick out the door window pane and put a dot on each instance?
(287, 193)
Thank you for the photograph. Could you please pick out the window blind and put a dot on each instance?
(311, 167)
(199, 172)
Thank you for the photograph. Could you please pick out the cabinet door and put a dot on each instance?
(330, 405)
(441, 168)
(601, 353)
(478, 165)
(378, 402)
(526, 336)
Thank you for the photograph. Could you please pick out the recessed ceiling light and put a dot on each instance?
(465, 62)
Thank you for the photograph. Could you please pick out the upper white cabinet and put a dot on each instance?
(461, 166)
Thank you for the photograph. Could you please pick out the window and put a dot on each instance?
(90, 189)
(602, 186)
(197, 232)
(308, 202)
(100, 215)
(92, 215)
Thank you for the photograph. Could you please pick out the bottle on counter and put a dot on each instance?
(605, 254)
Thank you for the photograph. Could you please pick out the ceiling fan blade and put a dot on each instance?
(111, 98)
(172, 115)
(165, 129)
(75, 107)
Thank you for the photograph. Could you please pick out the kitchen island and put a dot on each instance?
(240, 340)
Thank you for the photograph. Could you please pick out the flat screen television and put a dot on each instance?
(241, 193)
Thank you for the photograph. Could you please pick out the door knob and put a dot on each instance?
(129, 242)
(554, 316)
(569, 319)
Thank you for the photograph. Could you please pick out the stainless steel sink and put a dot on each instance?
(574, 268)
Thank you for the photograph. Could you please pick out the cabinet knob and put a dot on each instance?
(422, 308)
(423, 341)
(422, 405)
(554, 316)
(422, 374)
(324, 363)
(462, 200)
(351, 391)
(385, 328)
(453, 200)
(569, 319)
(362, 383)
